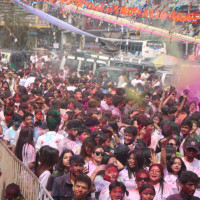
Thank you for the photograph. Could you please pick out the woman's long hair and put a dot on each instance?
(147, 155)
(48, 159)
(171, 162)
(169, 168)
(60, 167)
(90, 142)
(161, 181)
(39, 155)
(114, 125)
(25, 137)
(138, 157)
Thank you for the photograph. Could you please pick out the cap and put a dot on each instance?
(192, 144)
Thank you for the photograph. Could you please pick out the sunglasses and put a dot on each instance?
(171, 144)
(139, 179)
(191, 149)
(39, 103)
(98, 153)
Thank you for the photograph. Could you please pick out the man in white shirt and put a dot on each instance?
(107, 103)
(51, 138)
(137, 80)
(145, 75)
(191, 151)
(71, 86)
(155, 82)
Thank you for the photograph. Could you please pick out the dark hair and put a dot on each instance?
(70, 115)
(73, 124)
(25, 137)
(92, 121)
(115, 184)
(114, 125)
(48, 159)
(187, 122)
(171, 162)
(97, 147)
(166, 129)
(106, 158)
(161, 181)
(165, 110)
(169, 152)
(60, 166)
(120, 92)
(12, 191)
(147, 186)
(142, 171)
(121, 153)
(39, 155)
(102, 138)
(15, 118)
(77, 90)
(8, 111)
(131, 129)
(188, 176)
(76, 159)
(28, 114)
(147, 155)
(52, 124)
(90, 141)
(83, 178)
(53, 113)
(116, 100)
(139, 159)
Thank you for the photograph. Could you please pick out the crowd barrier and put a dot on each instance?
(13, 171)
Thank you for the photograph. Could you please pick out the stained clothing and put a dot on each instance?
(181, 196)
(62, 188)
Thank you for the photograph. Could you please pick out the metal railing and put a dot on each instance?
(14, 171)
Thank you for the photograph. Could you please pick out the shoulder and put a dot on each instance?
(59, 180)
(195, 198)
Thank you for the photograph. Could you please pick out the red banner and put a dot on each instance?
(134, 11)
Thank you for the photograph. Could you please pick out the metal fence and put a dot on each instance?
(13, 171)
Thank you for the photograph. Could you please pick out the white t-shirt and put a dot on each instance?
(191, 165)
(144, 76)
(129, 182)
(10, 136)
(134, 82)
(171, 180)
(133, 194)
(50, 138)
(167, 191)
(91, 168)
(29, 81)
(44, 177)
(28, 154)
(71, 88)
(66, 144)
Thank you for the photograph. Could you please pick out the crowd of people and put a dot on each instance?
(85, 137)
